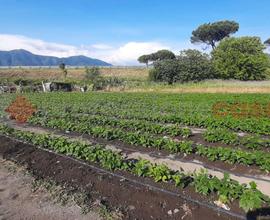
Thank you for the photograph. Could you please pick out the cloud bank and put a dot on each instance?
(125, 54)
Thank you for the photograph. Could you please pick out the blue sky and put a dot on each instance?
(111, 29)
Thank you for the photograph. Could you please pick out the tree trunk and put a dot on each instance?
(213, 45)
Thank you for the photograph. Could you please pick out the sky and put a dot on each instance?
(118, 31)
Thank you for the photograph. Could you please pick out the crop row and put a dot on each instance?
(226, 189)
(228, 155)
(223, 135)
(192, 109)
(252, 125)
(137, 125)
(228, 137)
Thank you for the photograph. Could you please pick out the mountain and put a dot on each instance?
(25, 58)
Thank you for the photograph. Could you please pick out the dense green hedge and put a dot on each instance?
(191, 65)
(241, 58)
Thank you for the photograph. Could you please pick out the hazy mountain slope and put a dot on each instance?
(25, 58)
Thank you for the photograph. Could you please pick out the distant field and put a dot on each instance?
(74, 73)
(136, 80)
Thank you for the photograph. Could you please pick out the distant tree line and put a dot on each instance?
(241, 58)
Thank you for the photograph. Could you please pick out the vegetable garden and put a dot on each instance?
(179, 127)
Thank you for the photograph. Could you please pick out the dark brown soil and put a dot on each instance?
(135, 200)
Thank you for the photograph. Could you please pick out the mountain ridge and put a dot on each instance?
(21, 57)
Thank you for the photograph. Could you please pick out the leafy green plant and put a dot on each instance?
(186, 132)
(220, 134)
(255, 142)
(141, 168)
(186, 146)
(178, 179)
(160, 173)
(203, 184)
(251, 198)
(228, 190)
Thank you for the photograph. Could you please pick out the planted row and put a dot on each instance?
(228, 155)
(110, 133)
(187, 109)
(211, 134)
(252, 125)
(137, 125)
(226, 189)
(228, 137)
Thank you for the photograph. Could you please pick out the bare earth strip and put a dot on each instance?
(17, 201)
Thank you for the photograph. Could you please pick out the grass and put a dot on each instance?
(136, 80)
(207, 86)
(140, 74)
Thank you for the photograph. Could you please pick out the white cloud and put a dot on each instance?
(102, 46)
(128, 53)
(125, 54)
(10, 42)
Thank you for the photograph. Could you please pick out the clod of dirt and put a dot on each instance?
(131, 207)
(175, 211)
(187, 211)
(170, 212)
(222, 205)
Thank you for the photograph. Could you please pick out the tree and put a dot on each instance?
(159, 55)
(267, 42)
(144, 59)
(211, 33)
(62, 66)
(195, 66)
(241, 58)
(191, 65)
(162, 55)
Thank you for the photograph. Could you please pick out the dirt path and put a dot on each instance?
(18, 202)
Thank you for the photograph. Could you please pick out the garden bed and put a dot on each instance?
(135, 198)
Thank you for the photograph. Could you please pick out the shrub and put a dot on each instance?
(191, 65)
(62, 66)
(240, 58)
(92, 73)
(107, 83)
(195, 66)
(152, 73)
(165, 71)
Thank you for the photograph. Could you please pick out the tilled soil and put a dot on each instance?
(19, 202)
(135, 201)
